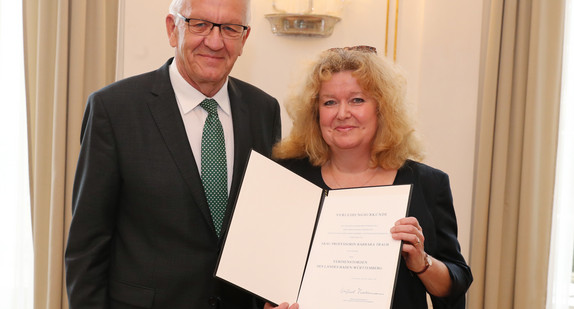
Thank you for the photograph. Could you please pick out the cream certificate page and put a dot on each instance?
(283, 246)
(271, 230)
(354, 260)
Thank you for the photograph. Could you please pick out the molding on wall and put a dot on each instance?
(120, 42)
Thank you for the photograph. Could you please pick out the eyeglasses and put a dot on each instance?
(361, 48)
(204, 27)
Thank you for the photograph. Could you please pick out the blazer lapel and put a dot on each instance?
(164, 109)
(242, 143)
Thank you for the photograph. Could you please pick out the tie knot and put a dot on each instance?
(210, 105)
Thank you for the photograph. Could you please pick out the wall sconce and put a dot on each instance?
(315, 18)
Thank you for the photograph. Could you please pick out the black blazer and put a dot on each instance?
(141, 234)
(431, 203)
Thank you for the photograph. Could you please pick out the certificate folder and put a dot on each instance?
(291, 241)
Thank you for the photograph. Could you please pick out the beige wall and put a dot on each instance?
(438, 46)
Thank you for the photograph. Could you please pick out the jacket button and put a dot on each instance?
(213, 302)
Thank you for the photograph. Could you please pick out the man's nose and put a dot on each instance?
(214, 40)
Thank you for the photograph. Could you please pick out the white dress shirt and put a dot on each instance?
(193, 115)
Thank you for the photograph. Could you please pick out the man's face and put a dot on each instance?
(207, 60)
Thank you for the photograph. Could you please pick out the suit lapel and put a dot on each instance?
(164, 109)
(242, 143)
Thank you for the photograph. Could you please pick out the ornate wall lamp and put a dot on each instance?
(317, 18)
(304, 17)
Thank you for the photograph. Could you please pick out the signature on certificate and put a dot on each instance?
(359, 291)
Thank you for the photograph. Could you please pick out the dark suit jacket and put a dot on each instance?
(431, 203)
(141, 233)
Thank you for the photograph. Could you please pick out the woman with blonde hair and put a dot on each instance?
(352, 128)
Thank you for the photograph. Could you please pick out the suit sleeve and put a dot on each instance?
(448, 247)
(94, 201)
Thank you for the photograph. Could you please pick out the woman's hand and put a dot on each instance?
(410, 232)
(435, 278)
(282, 306)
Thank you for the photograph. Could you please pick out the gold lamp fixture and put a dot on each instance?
(315, 18)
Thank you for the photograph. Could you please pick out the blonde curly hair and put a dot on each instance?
(395, 140)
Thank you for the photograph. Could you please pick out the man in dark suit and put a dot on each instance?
(143, 234)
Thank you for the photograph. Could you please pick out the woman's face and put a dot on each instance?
(347, 115)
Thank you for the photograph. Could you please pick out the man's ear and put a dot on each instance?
(244, 39)
(172, 30)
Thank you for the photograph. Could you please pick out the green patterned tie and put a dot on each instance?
(214, 164)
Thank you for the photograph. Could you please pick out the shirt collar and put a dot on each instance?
(190, 98)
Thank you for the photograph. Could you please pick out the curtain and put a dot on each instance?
(517, 141)
(69, 51)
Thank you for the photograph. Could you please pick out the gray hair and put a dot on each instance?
(176, 5)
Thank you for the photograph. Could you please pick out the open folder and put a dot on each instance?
(291, 241)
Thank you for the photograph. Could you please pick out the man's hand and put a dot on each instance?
(282, 306)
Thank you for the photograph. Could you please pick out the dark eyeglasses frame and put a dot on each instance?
(187, 20)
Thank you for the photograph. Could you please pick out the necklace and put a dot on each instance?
(336, 181)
